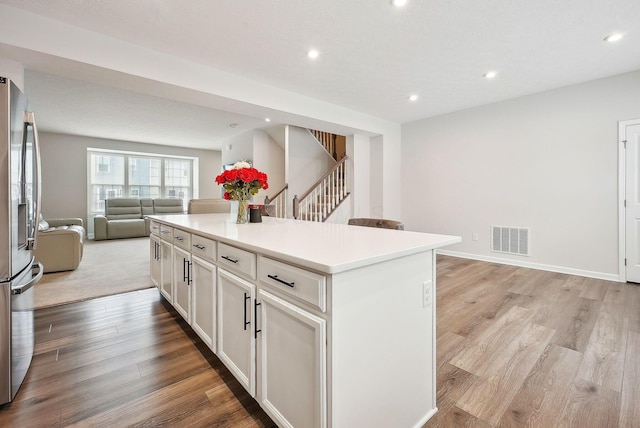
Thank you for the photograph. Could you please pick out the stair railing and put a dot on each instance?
(324, 196)
(328, 141)
(279, 202)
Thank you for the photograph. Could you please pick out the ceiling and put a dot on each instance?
(372, 57)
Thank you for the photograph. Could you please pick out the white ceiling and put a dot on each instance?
(373, 56)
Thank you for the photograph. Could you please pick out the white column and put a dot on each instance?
(377, 182)
(391, 173)
(358, 152)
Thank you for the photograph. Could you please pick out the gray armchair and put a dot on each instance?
(60, 244)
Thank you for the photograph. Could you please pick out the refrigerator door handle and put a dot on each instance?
(30, 120)
(27, 285)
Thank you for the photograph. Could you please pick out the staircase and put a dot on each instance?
(277, 205)
(325, 196)
(327, 140)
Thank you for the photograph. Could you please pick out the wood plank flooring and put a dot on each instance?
(515, 347)
(126, 360)
(524, 348)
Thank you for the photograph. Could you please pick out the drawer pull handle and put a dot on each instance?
(275, 278)
(165, 232)
(179, 238)
(199, 247)
(230, 259)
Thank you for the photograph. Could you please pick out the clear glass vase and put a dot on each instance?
(243, 211)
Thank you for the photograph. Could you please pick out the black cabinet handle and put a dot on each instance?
(282, 281)
(255, 318)
(199, 247)
(186, 271)
(230, 259)
(246, 323)
(178, 238)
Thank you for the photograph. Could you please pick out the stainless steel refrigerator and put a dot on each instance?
(19, 215)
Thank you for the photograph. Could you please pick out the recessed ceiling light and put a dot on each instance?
(613, 37)
(490, 74)
(266, 119)
(399, 3)
(313, 53)
(413, 97)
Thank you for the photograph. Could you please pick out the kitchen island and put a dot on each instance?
(326, 325)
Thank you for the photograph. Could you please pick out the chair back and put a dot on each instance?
(204, 206)
(377, 222)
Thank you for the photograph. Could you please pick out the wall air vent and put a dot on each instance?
(510, 240)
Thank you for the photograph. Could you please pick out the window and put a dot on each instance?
(114, 174)
(106, 179)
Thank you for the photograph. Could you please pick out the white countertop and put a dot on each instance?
(326, 247)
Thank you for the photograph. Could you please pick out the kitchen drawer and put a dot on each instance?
(203, 247)
(240, 261)
(308, 287)
(155, 228)
(182, 239)
(166, 232)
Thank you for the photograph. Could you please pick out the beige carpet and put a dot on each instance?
(107, 267)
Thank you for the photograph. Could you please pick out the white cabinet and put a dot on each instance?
(292, 363)
(311, 335)
(182, 282)
(154, 260)
(166, 270)
(236, 328)
(203, 290)
(203, 247)
(238, 261)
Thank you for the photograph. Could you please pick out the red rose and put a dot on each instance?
(227, 196)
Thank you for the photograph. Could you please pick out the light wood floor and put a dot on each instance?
(519, 347)
(516, 347)
(126, 360)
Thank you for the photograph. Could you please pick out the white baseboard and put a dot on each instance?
(550, 268)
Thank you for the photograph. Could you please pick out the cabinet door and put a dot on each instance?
(154, 260)
(203, 290)
(236, 336)
(292, 360)
(166, 270)
(182, 282)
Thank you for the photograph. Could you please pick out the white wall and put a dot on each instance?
(238, 148)
(264, 154)
(64, 170)
(269, 158)
(308, 161)
(546, 161)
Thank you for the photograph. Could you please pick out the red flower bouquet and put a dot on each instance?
(242, 182)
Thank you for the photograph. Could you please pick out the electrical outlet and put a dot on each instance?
(474, 236)
(426, 294)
